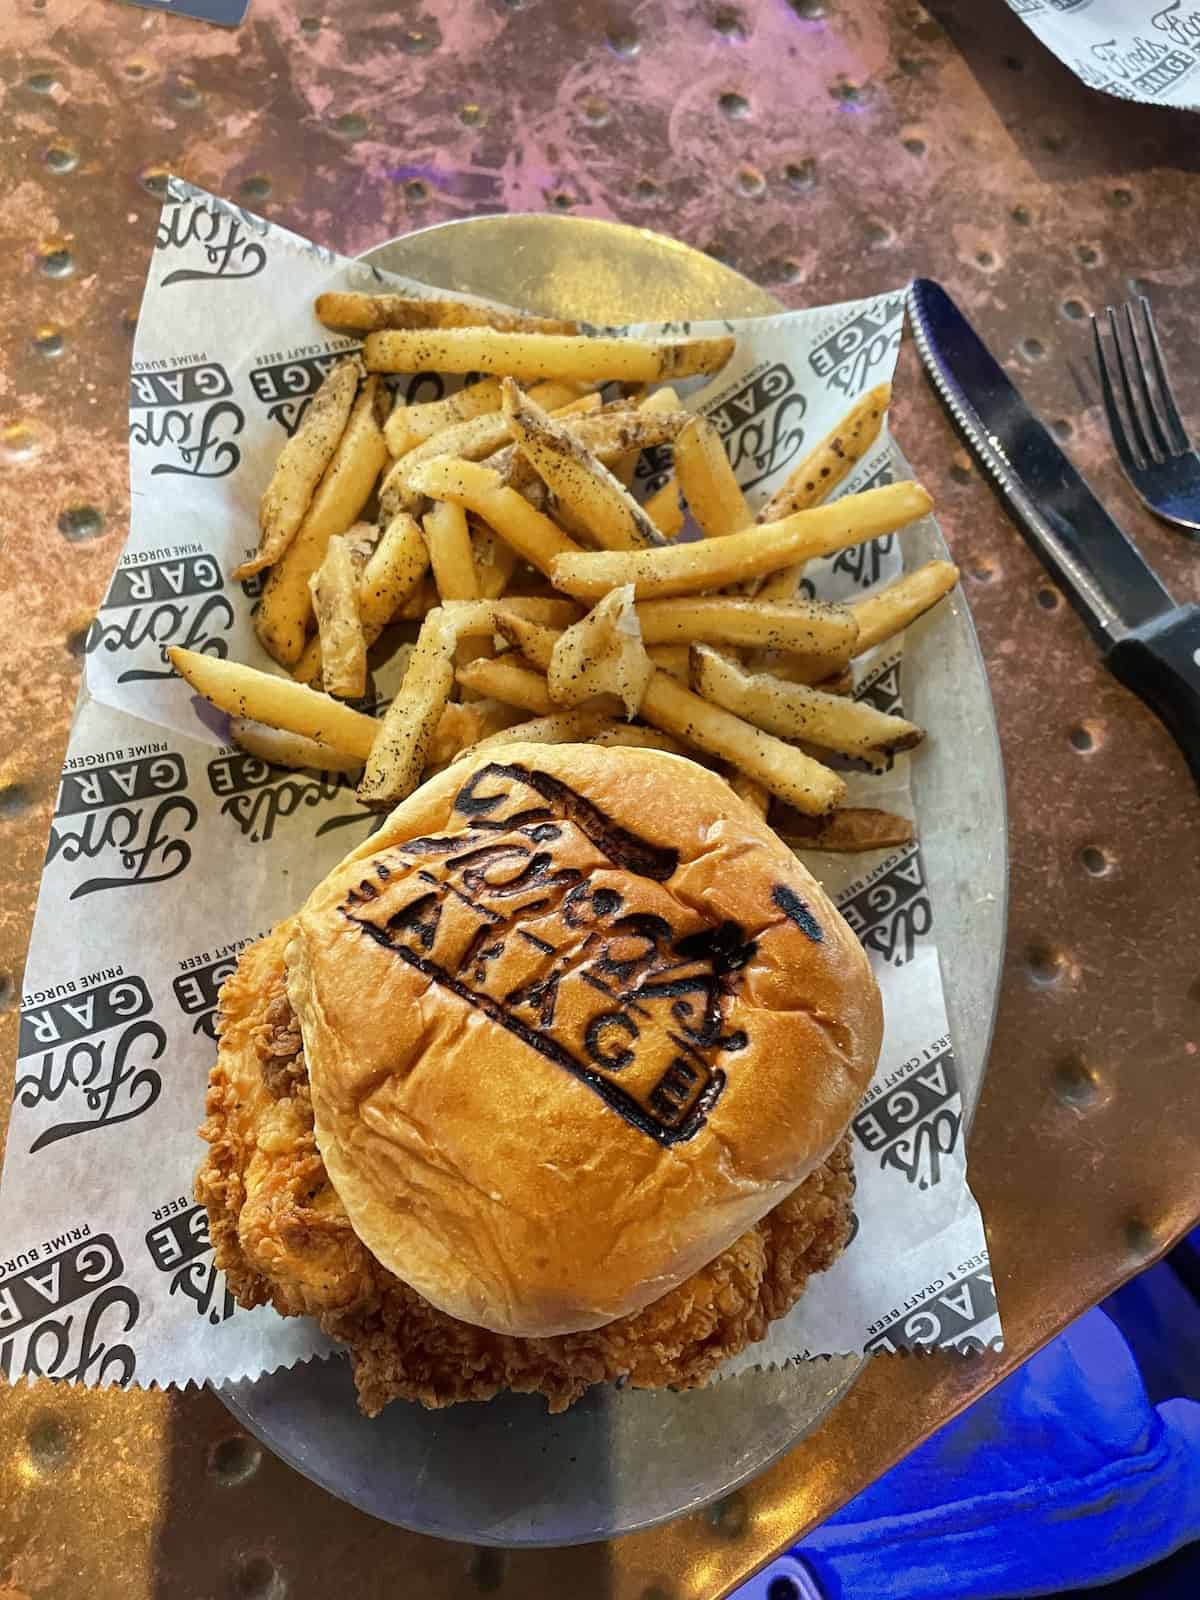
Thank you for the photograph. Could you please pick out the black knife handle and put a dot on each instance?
(1160, 661)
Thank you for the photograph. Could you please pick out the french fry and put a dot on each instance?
(665, 399)
(363, 313)
(453, 562)
(707, 481)
(665, 509)
(602, 654)
(550, 611)
(511, 466)
(623, 469)
(677, 569)
(462, 724)
(793, 711)
(850, 828)
(398, 755)
(394, 569)
(722, 619)
(632, 736)
(810, 669)
(407, 425)
(468, 650)
(560, 727)
(450, 554)
(420, 602)
(279, 748)
(471, 440)
(392, 574)
(608, 432)
(509, 679)
(530, 533)
(536, 636)
(780, 768)
(625, 466)
(517, 473)
(820, 472)
(343, 643)
(530, 356)
(361, 540)
(752, 792)
(262, 697)
(281, 621)
(885, 613)
(482, 619)
(581, 483)
(495, 561)
(829, 463)
(673, 659)
(841, 683)
(582, 405)
(534, 639)
(301, 463)
(543, 614)
(804, 627)
(468, 441)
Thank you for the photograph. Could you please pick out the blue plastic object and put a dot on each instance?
(1064, 1476)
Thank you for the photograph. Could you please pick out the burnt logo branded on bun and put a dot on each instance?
(501, 917)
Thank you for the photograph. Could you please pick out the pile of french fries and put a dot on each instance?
(549, 605)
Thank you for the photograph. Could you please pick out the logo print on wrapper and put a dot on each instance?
(224, 234)
(41, 1337)
(132, 809)
(1183, 27)
(644, 1026)
(286, 387)
(958, 1313)
(760, 423)
(882, 689)
(653, 468)
(165, 417)
(95, 1046)
(1141, 67)
(257, 795)
(913, 1125)
(162, 602)
(891, 912)
(179, 1245)
(197, 992)
(846, 358)
(864, 563)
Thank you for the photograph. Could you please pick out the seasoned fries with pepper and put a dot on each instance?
(519, 481)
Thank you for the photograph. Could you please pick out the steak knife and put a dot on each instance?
(1151, 644)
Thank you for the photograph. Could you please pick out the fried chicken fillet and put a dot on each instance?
(282, 1237)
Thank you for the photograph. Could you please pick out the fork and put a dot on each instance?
(1152, 444)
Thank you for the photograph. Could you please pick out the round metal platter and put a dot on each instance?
(507, 1473)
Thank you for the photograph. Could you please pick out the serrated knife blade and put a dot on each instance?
(1097, 565)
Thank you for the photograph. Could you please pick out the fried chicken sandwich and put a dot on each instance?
(546, 1085)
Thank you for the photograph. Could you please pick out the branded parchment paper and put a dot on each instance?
(1147, 50)
(170, 850)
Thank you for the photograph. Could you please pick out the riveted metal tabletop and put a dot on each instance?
(825, 150)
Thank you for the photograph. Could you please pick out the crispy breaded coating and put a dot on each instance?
(282, 1237)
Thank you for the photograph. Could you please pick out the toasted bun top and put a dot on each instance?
(574, 1020)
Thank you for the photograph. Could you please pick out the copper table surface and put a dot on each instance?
(826, 150)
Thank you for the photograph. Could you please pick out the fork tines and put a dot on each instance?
(1149, 431)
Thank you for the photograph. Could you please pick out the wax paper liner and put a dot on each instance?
(170, 850)
(1145, 50)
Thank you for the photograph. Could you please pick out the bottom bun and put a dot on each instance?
(283, 1238)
